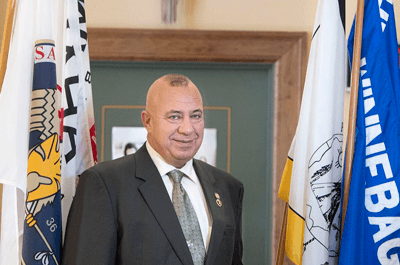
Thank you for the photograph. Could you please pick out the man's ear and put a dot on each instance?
(146, 119)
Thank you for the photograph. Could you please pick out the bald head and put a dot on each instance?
(174, 118)
(167, 85)
(164, 85)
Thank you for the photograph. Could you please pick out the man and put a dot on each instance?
(140, 210)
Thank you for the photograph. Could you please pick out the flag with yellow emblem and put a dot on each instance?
(45, 37)
(311, 181)
(42, 227)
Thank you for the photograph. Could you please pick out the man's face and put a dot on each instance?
(175, 125)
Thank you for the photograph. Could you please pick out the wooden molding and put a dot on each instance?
(287, 50)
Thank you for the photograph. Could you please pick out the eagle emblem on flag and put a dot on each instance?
(43, 200)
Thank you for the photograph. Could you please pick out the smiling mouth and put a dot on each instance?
(184, 141)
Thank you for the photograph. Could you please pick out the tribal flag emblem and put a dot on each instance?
(42, 227)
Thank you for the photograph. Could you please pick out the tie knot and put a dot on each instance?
(176, 175)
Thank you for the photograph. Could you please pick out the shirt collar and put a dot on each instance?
(163, 167)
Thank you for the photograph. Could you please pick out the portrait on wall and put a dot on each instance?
(127, 140)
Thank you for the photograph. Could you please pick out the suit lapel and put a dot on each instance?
(218, 216)
(157, 198)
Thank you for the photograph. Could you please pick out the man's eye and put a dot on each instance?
(196, 116)
(174, 117)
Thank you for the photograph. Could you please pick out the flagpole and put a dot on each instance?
(353, 107)
(281, 248)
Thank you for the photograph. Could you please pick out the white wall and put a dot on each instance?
(264, 15)
(260, 15)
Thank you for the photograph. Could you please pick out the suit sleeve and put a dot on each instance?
(238, 250)
(91, 233)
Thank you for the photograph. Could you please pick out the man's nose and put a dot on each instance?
(186, 127)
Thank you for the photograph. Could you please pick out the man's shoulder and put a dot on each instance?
(123, 164)
(114, 175)
(114, 166)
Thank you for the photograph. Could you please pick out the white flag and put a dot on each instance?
(311, 182)
(15, 100)
(14, 119)
(79, 143)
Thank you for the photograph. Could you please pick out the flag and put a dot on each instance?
(79, 150)
(32, 135)
(42, 225)
(42, 228)
(5, 45)
(371, 232)
(311, 181)
(14, 117)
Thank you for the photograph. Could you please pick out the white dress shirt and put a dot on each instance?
(192, 186)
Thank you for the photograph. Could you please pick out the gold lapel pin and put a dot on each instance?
(218, 201)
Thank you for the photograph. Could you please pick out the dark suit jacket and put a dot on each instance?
(122, 214)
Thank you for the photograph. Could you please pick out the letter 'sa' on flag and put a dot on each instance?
(45, 33)
(311, 181)
(371, 233)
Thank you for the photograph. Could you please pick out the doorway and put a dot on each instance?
(238, 100)
(286, 51)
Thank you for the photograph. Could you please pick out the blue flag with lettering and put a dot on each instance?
(42, 227)
(371, 232)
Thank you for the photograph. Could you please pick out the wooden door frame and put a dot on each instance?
(286, 50)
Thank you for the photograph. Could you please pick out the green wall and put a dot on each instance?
(247, 89)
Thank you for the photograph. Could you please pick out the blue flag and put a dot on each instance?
(42, 228)
(42, 236)
(371, 232)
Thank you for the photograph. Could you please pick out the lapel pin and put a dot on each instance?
(218, 201)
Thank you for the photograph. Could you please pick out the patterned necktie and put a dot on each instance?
(187, 218)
